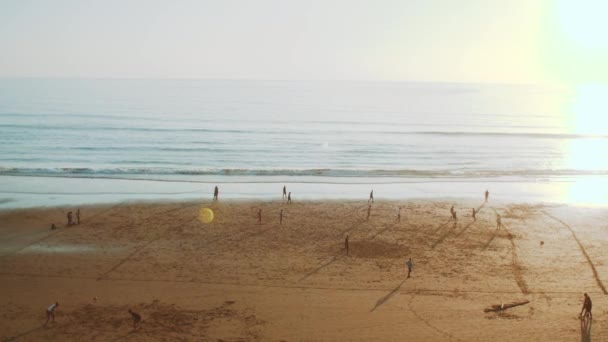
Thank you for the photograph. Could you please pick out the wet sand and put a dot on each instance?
(235, 280)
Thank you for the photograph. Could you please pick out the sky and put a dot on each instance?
(494, 41)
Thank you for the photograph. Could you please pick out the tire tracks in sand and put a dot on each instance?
(582, 249)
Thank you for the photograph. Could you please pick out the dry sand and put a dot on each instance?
(235, 280)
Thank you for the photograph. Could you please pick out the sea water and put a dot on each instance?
(69, 141)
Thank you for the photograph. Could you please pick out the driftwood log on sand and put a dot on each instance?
(500, 307)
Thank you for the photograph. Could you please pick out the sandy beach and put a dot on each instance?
(236, 280)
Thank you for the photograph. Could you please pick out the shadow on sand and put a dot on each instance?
(586, 329)
(388, 296)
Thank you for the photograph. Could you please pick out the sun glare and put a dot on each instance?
(584, 23)
(590, 109)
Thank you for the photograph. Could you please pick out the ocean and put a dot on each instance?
(71, 142)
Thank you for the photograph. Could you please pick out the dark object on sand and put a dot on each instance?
(136, 318)
(542, 243)
(504, 306)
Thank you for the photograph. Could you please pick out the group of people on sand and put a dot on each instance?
(70, 218)
(50, 315)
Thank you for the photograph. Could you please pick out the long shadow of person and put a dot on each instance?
(586, 329)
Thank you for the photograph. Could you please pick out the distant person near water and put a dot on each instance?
(410, 265)
(50, 312)
(260, 216)
(284, 192)
(281, 217)
(487, 195)
(346, 245)
(473, 213)
(216, 192)
(586, 310)
(289, 198)
(78, 216)
(70, 222)
(371, 196)
(136, 318)
(369, 212)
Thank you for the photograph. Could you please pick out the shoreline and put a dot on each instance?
(31, 192)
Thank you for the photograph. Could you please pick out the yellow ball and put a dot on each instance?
(205, 215)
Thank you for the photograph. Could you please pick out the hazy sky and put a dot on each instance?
(412, 40)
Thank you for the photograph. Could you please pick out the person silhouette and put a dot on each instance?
(216, 192)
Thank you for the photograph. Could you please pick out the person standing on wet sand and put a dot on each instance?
(487, 195)
(369, 212)
(70, 218)
(289, 198)
(410, 265)
(260, 216)
(78, 216)
(346, 245)
(474, 212)
(281, 217)
(371, 196)
(284, 192)
(216, 192)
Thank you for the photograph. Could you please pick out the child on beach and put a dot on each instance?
(50, 312)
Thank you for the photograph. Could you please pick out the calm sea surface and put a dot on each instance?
(87, 141)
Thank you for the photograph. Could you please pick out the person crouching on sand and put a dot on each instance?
(50, 312)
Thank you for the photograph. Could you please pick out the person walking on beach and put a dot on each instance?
(453, 213)
(369, 212)
(260, 216)
(346, 245)
(284, 192)
(586, 307)
(498, 221)
(281, 217)
(216, 192)
(371, 196)
(487, 195)
(474, 212)
(410, 265)
(289, 198)
(50, 312)
(78, 216)
(136, 318)
(70, 218)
